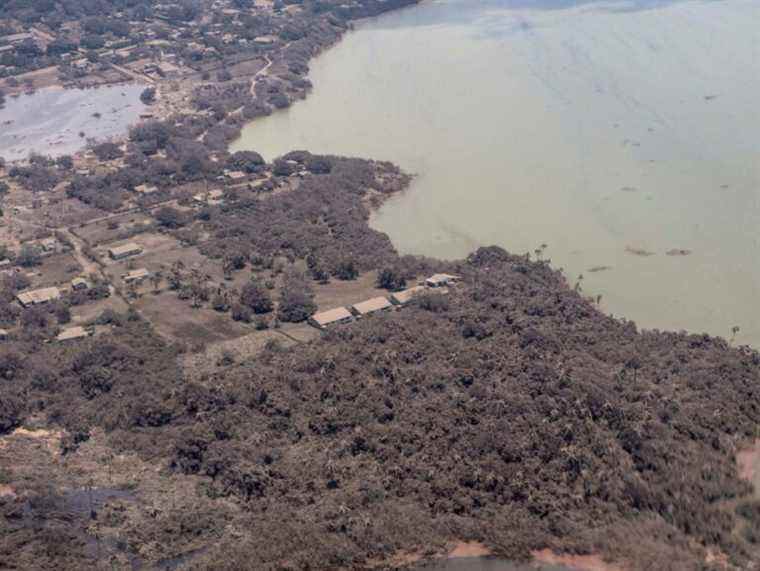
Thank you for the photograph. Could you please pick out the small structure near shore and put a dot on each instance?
(38, 296)
(330, 317)
(124, 251)
(441, 280)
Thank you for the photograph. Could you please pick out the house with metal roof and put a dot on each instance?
(325, 319)
(405, 296)
(38, 296)
(124, 251)
(136, 275)
(371, 306)
(441, 280)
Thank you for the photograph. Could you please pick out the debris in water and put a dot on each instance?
(638, 251)
(599, 269)
(629, 189)
(678, 252)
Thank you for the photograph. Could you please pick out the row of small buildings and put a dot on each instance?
(45, 295)
(325, 319)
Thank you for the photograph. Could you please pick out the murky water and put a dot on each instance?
(50, 121)
(613, 132)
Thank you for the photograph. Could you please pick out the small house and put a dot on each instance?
(79, 284)
(145, 189)
(72, 333)
(374, 305)
(211, 197)
(124, 251)
(48, 245)
(441, 280)
(330, 317)
(405, 296)
(235, 175)
(38, 296)
(135, 276)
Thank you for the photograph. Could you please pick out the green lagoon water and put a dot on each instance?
(596, 128)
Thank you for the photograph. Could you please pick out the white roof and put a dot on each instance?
(72, 333)
(331, 316)
(372, 305)
(442, 278)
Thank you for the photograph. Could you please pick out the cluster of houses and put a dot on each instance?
(339, 315)
(127, 251)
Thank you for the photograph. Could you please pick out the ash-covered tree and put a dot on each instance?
(28, 256)
(170, 217)
(148, 96)
(283, 168)
(65, 162)
(297, 300)
(256, 298)
(318, 165)
(391, 279)
(346, 269)
(248, 161)
(107, 151)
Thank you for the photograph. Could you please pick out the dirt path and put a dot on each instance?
(87, 264)
(263, 71)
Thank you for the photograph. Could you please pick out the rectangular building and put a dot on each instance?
(136, 275)
(211, 197)
(405, 296)
(72, 333)
(145, 189)
(38, 296)
(371, 306)
(124, 251)
(330, 317)
(441, 280)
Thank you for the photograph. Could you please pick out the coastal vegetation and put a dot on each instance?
(506, 409)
